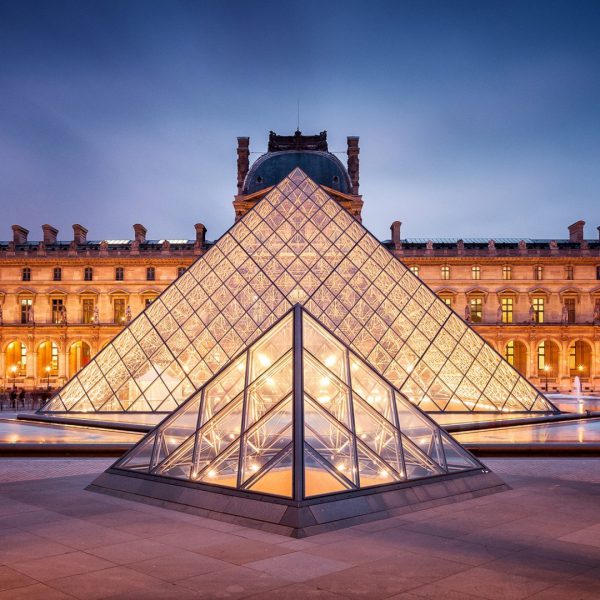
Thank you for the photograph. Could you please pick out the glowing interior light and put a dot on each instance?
(363, 436)
(383, 473)
(264, 360)
(240, 367)
(212, 473)
(270, 381)
(254, 467)
(231, 436)
(354, 366)
(409, 368)
(330, 360)
(324, 399)
(325, 381)
(341, 467)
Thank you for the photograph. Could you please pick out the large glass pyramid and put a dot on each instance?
(297, 246)
(298, 415)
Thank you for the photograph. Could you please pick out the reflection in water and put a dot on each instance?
(14, 432)
(587, 431)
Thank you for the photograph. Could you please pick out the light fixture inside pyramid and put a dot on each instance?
(298, 415)
(298, 245)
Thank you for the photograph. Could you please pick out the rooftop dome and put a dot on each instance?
(321, 166)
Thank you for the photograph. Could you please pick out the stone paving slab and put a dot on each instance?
(539, 540)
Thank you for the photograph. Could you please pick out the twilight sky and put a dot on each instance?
(475, 118)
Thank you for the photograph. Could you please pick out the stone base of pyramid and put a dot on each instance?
(298, 519)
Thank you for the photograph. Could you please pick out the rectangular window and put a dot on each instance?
(57, 306)
(475, 273)
(54, 359)
(447, 301)
(507, 310)
(26, 304)
(538, 310)
(509, 353)
(57, 274)
(26, 274)
(180, 271)
(445, 272)
(119, 310)
(597, 272)
(148, 302)
(506, 272)
(541, 356)
(119, 274)
(150, 274)
(87, 310)
(415, 270)
(569, 273)
(570, 309)
(88, 274)
(476, 305)
(538, 273)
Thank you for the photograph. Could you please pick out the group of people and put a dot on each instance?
(19, 399)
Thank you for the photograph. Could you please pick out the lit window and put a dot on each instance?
(57, 274)
(569, 272)
(57, 309)
(87, 307)
(447, 300)
(476, 305)
(180, 271)
(509, 353)
(88, 274)
(538, 310)
(148, 302)
(475, 273)
(415, 270)
(570, 310)
(26, 274)
(150, 274)
(119, 310)
(445, 272)
(506, 272)
(541, 356)
(26, 304)
(507, 310)
(538, 273)
(119, 274)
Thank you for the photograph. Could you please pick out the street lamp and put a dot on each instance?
(48, 369)
(14, 370)
(546, 369)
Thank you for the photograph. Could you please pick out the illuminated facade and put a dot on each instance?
(537, 302)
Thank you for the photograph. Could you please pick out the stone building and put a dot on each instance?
(537, 301)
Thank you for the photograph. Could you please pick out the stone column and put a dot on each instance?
(243, 162)
(353, 162)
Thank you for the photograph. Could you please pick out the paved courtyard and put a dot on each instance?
(539, 540)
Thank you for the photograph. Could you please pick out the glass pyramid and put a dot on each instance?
(297, 246)
(298, 415)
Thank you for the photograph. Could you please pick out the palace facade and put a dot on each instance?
(536, 301)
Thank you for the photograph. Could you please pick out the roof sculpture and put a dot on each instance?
(297, 246)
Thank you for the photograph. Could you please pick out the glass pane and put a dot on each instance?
(457, 458)
(227, 386)
(372, 470)
(224, 470)
(328, 391)
(417, 463)
(138, 459)
(266, 439)
(372, 389)
(274, 345)
(318, 477)
(271, 387)
(324, 347)
(330, 440)
(277, 478)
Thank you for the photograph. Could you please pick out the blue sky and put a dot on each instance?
(475, 118)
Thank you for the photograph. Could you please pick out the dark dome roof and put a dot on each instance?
(322, 167)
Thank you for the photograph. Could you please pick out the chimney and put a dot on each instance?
(139, 232)
(50, 234)
(396, 235)
(576, 231)
(200, 234)
(79, 234)
(353, 151)
(20, 234)
(598, 228)
(243, 162)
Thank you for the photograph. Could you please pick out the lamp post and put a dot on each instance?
(546, 370)
(48, 369)
(13, 370)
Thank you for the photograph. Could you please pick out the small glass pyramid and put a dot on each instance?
(297, 415)
(297, 246)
